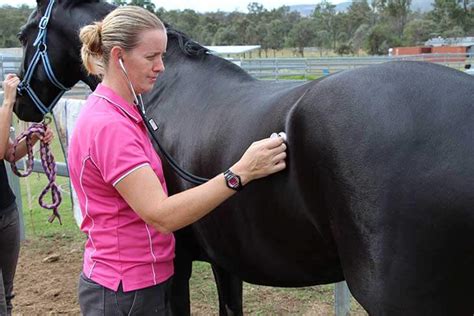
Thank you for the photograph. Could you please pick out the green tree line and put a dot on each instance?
(372, 26)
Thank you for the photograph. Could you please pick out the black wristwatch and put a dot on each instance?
(232, 180)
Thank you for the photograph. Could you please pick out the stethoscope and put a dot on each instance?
(152, 127)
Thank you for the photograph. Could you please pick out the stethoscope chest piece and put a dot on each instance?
(281, 134)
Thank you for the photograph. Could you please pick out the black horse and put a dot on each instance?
(379, 188)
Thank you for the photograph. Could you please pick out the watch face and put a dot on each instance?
(234, 182)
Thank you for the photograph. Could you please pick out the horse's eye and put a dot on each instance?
(21, 37)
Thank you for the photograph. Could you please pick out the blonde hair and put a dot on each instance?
(120, 27)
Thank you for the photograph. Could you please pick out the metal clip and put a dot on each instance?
(47, 119)
(153, 124)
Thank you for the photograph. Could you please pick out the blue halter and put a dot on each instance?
(41, 54)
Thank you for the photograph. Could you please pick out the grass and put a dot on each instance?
(264, 300)
(36, 218)
(258, 300)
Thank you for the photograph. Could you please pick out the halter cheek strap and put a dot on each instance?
(41, 54)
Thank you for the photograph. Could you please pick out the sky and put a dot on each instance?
(206, 5)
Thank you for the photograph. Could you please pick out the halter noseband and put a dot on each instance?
(41, 54)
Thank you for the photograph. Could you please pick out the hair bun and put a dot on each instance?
(91, 37)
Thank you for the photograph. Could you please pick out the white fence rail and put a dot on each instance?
(310, 68)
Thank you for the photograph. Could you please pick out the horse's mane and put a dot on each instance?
(192, 48)
(186, 44)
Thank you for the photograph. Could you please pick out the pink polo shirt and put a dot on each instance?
(109, 142)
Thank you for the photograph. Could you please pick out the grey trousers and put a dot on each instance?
(95, 300)
(9, 252)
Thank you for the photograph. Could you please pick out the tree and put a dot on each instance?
(11, 20)
(187, 20)
(275, 35)
(322, 39)
(239, 22)
(358, 13)
(301, 35)
(119, 2)
(398, 10)
(418, 31)
(344, 49)
(147, 4)
(226, 36)
(255, 9)
(456, 31)
(359, 38)
(380, 39)
(447, 14)
(326, 19)
(261, 31)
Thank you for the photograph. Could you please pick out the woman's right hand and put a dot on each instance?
(9, 89)
(261, 159)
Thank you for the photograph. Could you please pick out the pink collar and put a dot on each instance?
(113, 98)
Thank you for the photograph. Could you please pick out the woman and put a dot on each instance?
(128, 216)
(9, 220)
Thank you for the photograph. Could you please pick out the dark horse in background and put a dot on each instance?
(379, 188)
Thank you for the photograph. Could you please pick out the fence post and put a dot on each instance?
(277, 73)
(14, 182)
(342, 299)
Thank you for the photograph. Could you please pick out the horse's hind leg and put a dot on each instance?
(229, 288)
(419, 263)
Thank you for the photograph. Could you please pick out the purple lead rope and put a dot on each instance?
(49, 167)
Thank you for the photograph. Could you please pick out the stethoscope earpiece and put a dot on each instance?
(138, 99)
(121, 64)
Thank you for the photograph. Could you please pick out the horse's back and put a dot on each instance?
(395, 148)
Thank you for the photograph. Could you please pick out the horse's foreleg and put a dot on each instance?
(183, 264)
(179, 296)
(229, 288)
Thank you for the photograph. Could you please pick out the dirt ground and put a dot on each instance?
(48, 270)
(46, 277)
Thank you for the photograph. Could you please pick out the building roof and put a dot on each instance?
(450, 41)
(232, 49)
